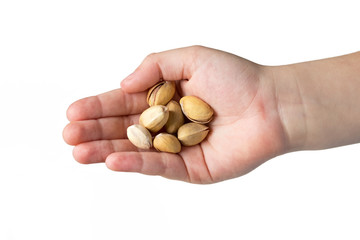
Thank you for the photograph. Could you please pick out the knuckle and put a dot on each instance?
(150, 57)
(197, 48)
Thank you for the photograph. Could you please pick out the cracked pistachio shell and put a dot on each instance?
(196, 110)
(161, 93)
(176, 117)
(154, 118)
(166, 142)
(191, 134)
(139, 136)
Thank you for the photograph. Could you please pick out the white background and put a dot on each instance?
(55, 52)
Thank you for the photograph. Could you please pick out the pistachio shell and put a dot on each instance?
(196, 110)
(165, 142)
(139, 136)
(161, 93)
(154, 118)
(191, 134)
(176, 117)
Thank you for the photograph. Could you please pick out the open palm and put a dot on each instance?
(246, 130)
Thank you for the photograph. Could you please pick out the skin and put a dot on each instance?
(260, 112)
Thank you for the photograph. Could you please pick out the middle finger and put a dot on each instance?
(98, 129)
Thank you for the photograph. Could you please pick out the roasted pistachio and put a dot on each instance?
(154, 118)
(196, 110)
(191, 134)
(176, 117)
(139, 136)
(161, 93)
(165, 142)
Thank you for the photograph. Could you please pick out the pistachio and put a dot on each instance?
(191, 134)
(196, 110)
(161, 93)
(165, 142)
(154, 118)
(176, 117)
(139, 136)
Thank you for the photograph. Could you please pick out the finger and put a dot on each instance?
(167, 165)
(97, 129)
(97, 151)
(177, 64)
(109, 104)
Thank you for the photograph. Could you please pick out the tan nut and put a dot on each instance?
(165, 142)
(176, 117)
(139, 136)
(161, 93)
(196, 110)
(191, 134)
(154, 118)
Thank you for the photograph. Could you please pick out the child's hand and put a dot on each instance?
(246, 130)
(260, 112)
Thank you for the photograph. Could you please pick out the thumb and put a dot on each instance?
(171, 65)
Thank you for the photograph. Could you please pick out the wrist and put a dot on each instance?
(318, 101)
(289, 105)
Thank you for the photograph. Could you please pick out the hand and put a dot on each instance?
(246, 130)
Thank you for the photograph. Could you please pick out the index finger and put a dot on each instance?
(109, 104)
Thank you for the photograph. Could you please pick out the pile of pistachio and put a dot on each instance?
(165, 118)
